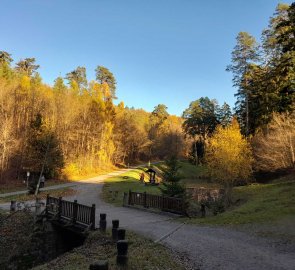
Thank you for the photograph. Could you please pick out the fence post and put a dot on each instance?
(163, 202)
(124, 198)
(183, 207)
(37, 207)
(92, 217)
(103, 222)
(121, 234)
(122, 249)
(75, 211)
(46, 205)
(115, 229)
(129, 197)
(59, 207)
(144, 200)
(12, 206)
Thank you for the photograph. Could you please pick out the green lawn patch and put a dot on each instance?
(142, 254)
(20, 241)
(257, 203)
(124, 183)
(192, 175)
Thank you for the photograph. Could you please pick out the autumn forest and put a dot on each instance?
(76, 128)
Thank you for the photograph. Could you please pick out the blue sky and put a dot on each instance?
(160, 51)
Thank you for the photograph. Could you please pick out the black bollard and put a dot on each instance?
(122, 249)
(99, 265)
(103, 222)
(115, 223)
(115, 229)
(203, 210)
(121, 234)
(12, 206)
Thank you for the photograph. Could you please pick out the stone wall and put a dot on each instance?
(25, 243)
(205, 194)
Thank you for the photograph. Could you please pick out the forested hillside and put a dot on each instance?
(264, 76)
(73, 126)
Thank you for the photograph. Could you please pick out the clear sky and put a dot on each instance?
(160, 51)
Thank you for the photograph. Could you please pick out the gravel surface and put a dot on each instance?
(202, 247)
(3, 195)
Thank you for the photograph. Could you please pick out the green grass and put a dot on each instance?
(124, 183)
(258, 203)
(18, 241)
(142, 254)
(192, 176)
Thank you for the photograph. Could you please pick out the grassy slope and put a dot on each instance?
(256, 203)
(124, 183)
(16, 237)
(191, 177)
(142, 253)
(259, 203)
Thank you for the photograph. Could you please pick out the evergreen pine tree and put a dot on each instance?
(172, 186)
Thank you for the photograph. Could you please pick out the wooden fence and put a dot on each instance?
(168, 204)
(72, 211)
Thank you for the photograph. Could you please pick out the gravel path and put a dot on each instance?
(205, 247)
(72, 184)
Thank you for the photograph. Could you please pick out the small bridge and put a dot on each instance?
(165, 204)
(69, 215)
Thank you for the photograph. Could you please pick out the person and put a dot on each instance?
(142, 177)
(42, 181)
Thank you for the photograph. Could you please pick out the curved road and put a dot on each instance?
(206, 247)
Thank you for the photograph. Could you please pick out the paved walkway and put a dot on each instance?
(3, 195)
(206, 247)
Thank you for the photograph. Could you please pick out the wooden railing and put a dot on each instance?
(168, 204)
(72, 211)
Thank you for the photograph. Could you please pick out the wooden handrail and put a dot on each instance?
(169, 204)
(73, 211)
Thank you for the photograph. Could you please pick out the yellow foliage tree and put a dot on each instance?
(25, 83)
(229, 157)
